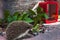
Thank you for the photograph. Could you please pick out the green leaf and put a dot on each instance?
(39, 9)
(24, 14)
(19, 18)
(16, 14)
(36, 28)
(9, 19)
(28, 20)
(46, 16)
(6, 13)
(14, 18)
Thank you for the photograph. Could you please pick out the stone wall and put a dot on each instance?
(19, 5)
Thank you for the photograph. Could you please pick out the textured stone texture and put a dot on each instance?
(19, 5)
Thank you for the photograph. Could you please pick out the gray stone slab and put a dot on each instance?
(52, 35)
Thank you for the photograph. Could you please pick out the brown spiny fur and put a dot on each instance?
(16, 28)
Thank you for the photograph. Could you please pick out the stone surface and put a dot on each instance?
(53, 35)
(19, 5)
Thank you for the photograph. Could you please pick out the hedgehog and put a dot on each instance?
(18, 30)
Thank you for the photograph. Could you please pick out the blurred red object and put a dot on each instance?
(51, 9)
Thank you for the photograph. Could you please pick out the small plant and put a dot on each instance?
(25, 17)
(38, 18)
(16, 17)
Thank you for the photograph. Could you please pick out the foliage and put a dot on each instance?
(36, 28)
(16, 17)
(29, 17)
(38, 17)
(24, 17)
